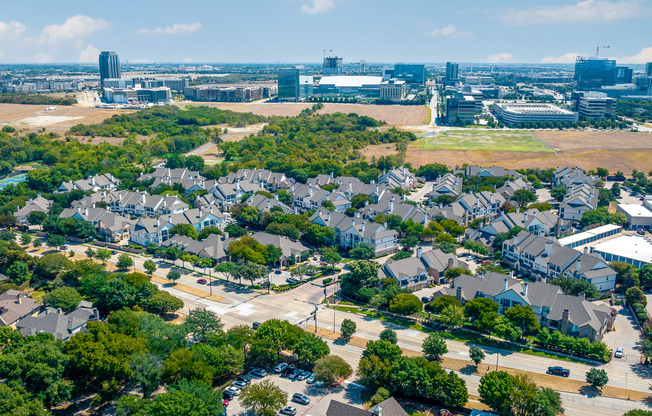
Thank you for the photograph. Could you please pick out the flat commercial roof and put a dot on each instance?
(350, 81)
(630, 246)
(636, 210)
(532, 108)
(566, 241)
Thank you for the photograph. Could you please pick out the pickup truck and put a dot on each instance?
(558, 371)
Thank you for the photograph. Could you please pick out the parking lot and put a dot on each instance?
(320, 397)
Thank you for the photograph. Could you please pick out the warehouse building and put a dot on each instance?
(630, 249)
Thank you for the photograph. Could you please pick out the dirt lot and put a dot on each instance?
(395, 115)
(29, 118)
(613, 150)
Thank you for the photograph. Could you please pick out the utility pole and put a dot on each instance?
(315, 312)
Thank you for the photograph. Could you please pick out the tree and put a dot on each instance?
(311, 348)
(185, 230)
(90, 253)
(235, 231)
(597, 378)
(15, 401)
(559, 192)
(635, 295)
(388, 335)
(18, 272)
(162, 303)
(440, 303)
(203, 324)
(452, 316)
(476, 354)
(331, 369)
(332, 257)
(405, 304)
(548, 403)
(56, 240)
(177, 403)
(454, 391)
(252, 272)
(64, 298)
(150, 267)
(184, 364)
(348, 328)
(362, 251)
(103, 254)
(37, 243)
(51, 265)
(148, 372)
(496, 390)
(434, 347)
(36, 217)
(602, 172)
(229, 269)
(264, 398)
(25, 239)
(523, 317)
(173, 275)
(478, 307)
(124, 261)
(524, 197)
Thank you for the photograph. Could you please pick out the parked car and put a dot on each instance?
(63, 248)
(311, 379)
(114, 252)
(277, 271)
(280, 367)
(236, 391)
(301, 399)
(245, 379)
(202, 281)
(239, 384)
(258, 372)
(291, 280)
(255, 325)
(304, 375)
(558, 371)
(287, 371)
(228, 395)
(619, 352)
(641, 232)
(225, 403)
(425, 299)
(288, 410)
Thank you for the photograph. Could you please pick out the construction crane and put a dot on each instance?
(327, 50)
(597, 50)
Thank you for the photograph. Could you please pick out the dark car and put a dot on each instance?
(258, 372)
(289, 370)
(114, 252)
(255, 325)
(63, 248)
(202, 281)
(425, 299)
(300, 398)
(641, 232)
(244, 379)
(277, 271)
(227, 395)
(558, 371)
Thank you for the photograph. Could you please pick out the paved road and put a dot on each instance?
(243, 306)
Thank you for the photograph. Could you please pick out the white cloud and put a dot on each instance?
(175, 29)
(11, 30)
(318, 7)
(644, 56)
(567, 58)
(451, 31)
(187, 60)
(502, 57)
(583, 11)
(89, 54)
(74, 30)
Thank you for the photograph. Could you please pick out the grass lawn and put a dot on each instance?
(480, 139)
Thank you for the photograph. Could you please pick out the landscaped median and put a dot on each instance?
(542, 380)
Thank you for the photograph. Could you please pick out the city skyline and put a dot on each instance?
(280, 31)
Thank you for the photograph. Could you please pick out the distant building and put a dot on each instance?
(596, 105)
(521, 112)
(393, 90)
(638, 216)
(452, 73)
(109, 66)
(145, 95)
(624, 75)
(292, 86)
(580, 198)
(593, 73)
(410, 73)
(350, 85)
(175, 84)
(225, 94)
(332, 65)
(460, 109)
(648, 69)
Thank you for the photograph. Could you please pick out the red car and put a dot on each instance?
(202, 281)
(225, 403)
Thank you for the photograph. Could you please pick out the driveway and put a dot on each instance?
(626, 335)
(320, 398)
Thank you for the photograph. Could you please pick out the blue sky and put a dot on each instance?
(298, 30)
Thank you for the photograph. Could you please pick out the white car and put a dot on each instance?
(236, 391)
(619, 352)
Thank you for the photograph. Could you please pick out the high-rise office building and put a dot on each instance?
(593, 73)
(648, 69)
(292, 86)
(410, 73)
(452, 73)
(332, 65)
(624, 75)
(109, 66)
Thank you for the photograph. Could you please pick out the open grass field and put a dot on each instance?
(615, 151)
(31, 118)
(512, 141)
(393, 115)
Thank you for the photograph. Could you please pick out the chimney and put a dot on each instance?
(170, 219)
(165, 203)
(269, 204)
(548, 250)
(328, 216)
(276, 197)
(292, 189)
(78, 209)
(120, 197)
(578, 266)
(524, 289)
(362, 227)
(390, 205)
(525, 218)
(158, 222)
(515, 240)
(451, 263)
(226, 235)
(85, 212)
(586, 250)
(404, 170)
(491, 198)
(19, 298)
(419, 252)
(458, 294)
(534, 213)
(511, 274)
(103, 192)
(310, 189)
(353, 222)
(366, 203)
(210, 210)
(505, 284)
(438, 180)
(376, 188)
(237, 184)
(92, 180)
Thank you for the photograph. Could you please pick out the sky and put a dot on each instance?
(298, 31)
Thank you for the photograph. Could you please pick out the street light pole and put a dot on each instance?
(315, 319)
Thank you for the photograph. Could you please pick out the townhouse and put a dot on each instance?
(106, 182)
(398, 178)
(569, 177)
(580, 198)
(470, 206)
(538, 223)
(427, 268)
(351, 231)
(37, 204)
(156, 231)
(111, 226)
(448, 184)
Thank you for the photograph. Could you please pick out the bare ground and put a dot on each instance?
(615, 151)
